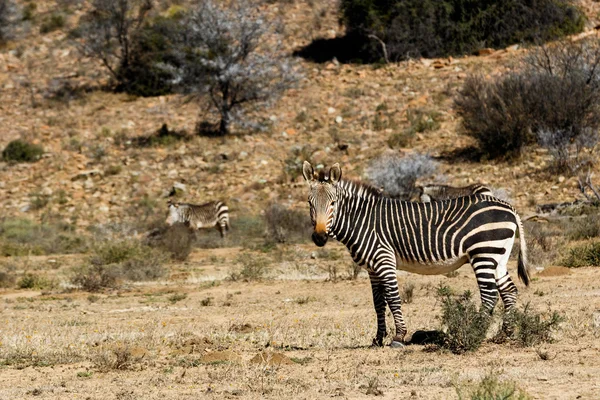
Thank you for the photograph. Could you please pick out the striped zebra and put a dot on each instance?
(208, 215)
(443, 192)
(385, 234)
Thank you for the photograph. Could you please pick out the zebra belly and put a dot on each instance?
(442, 267)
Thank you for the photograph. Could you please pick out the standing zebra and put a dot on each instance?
(443, 192)
(208, 215)
(385, 234)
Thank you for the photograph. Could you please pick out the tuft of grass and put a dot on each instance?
(119, 357)
(33, 281)
(407, 292)
(490, 388)
(19, 151)
(585, 255)
(54, 22)
(466, 325)
(174, 298)
(207, 301)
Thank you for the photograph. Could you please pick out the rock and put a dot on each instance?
(485, 52)
(330, 110)
(338, 119)
(426, 62)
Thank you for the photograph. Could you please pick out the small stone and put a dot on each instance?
(338, 119)
(561, 179)
(330, 110)
(485, 52)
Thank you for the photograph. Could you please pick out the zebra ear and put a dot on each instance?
(335, 173)
(308, 172)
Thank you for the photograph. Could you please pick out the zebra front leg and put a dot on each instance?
(379, 304)
(392, 297)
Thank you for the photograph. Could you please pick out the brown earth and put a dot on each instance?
(143, 342)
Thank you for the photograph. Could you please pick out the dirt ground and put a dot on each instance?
(296, 334)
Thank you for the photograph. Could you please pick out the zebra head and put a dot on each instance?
(322, 200)
(174, 213)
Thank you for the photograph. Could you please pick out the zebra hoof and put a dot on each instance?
(396, 345)
(377, 343)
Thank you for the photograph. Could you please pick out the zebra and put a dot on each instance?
(443, 192)
(208, 215)
(384, 234)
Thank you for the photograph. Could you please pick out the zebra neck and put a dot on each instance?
(355, 212)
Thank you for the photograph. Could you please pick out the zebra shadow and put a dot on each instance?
(422, 337)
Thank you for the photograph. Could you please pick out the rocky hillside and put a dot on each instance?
(92, 172)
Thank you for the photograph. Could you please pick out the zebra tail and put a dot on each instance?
(522, 265)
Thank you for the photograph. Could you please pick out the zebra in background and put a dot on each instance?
(208, 215)
(429, 193)
(385, 234)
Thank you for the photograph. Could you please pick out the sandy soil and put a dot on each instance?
(296, 334)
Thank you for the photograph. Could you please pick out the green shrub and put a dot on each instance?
(431, 28)
(7, 279)
(52, 23)
(466, 327)
(33, 281)
(586, 255)
(584, 228)
(22, 151)
(176, 240)
(532, 328)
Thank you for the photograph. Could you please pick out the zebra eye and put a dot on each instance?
(332, 203)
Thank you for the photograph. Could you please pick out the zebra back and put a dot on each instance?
(443, 192)
(199, 216)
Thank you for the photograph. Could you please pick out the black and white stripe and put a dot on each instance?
(208, 215)
(385, 234)
(443, 192)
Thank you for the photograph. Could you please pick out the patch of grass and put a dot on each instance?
(174, 298)
(466, 325)
(38, 201)
(53, 22)
(19, 151)
(119, 357)
(113, 262)
(490, 388)
(584, 228)
(177, 240)
(7, 279)
(292, 165)
(586, 255)
(207, 301)
(20, 236)
(254, 267)
(114, 169)
(304, 300)
(85, 374)
(532, 328)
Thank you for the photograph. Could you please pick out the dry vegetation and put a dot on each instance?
(99, 299)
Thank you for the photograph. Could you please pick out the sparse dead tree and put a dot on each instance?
(231, 53)
(107, 33)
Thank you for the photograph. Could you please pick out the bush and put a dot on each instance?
(33, 281)
(495, 115)
(285, 225)
(22, 151)
(8, 12)
(292, 167)
(115, 261)
(7, 279)
(583, 228)
(430, 28)
(532, 328)
(176, 240)
(587, 255)
(553, 98)
(398, 175)
(466, 326)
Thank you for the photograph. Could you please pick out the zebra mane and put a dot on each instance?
(359, 188)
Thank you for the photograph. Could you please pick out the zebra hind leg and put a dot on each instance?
(508, 294)
(379, 304)
(485, 273)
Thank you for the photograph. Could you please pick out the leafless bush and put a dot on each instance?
(553, 98)
(398, 175)
(232, 54)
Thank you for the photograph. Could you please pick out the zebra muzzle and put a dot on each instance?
(319, 238)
